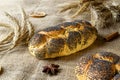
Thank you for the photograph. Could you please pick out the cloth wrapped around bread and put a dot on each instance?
(62, 40)
(99, 66)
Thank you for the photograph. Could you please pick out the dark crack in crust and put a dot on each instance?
(99, 66)
(73, 39)
(55, 45)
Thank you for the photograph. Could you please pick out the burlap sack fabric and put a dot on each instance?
(19, 64)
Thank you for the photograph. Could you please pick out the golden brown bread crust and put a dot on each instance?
(99, 66)
(63, 39)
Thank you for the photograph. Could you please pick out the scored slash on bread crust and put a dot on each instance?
(99, 66)
(62, 40)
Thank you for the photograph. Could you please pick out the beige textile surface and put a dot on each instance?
(18, 64)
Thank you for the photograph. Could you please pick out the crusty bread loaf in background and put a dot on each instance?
(62, 40)
(99, 66)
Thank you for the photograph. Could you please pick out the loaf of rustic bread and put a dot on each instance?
(62, 40)
(99, 66)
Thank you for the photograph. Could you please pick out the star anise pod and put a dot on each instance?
(51, 69)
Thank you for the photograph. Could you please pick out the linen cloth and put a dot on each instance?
(19, 64)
